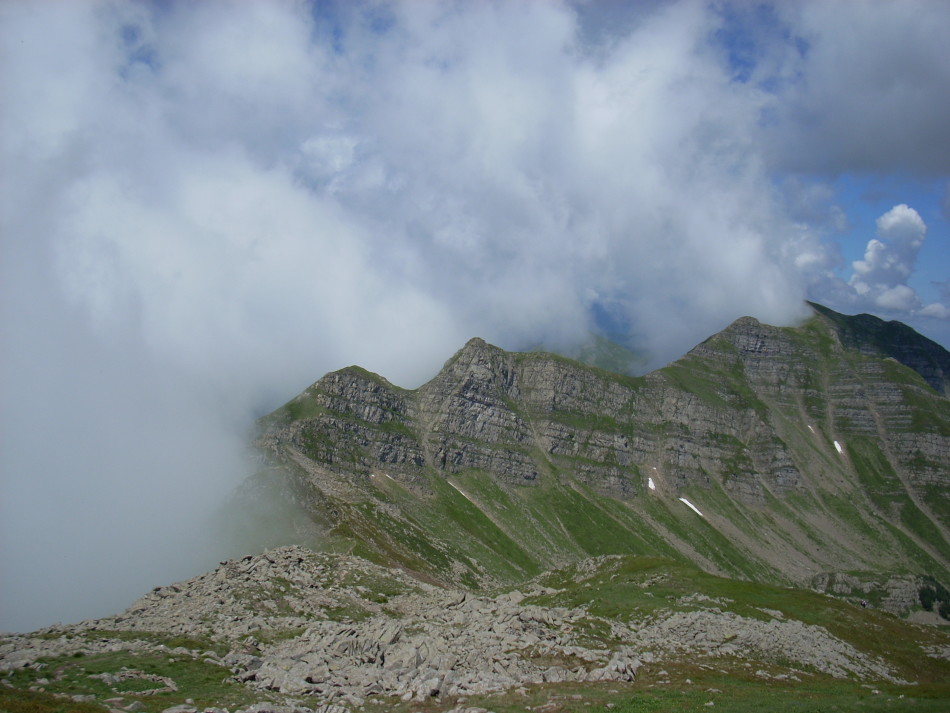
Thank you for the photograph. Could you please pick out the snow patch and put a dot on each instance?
(464, 495)
(691, 506)
(810, 428)
(651, 484)
(838, 447)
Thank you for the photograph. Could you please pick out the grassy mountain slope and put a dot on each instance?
(809, 450)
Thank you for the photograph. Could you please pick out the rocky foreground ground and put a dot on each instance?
(335, 633)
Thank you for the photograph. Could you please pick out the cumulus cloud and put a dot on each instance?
(879, 281)
(935, 310)
(206, 206)
(938, 310)
(889, 260)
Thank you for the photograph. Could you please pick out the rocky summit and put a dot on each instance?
(764, 519)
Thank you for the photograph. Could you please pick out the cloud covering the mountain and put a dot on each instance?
(207, 205)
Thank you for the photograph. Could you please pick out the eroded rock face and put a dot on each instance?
(712, 412)
(899, 593)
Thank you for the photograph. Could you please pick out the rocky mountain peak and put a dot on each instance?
(745, 336)
(476, 356)
(479, 372)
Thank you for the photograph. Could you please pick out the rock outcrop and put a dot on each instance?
(319, 630)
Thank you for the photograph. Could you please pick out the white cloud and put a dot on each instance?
(903, 226)
(899, 298)
(211, 204)
(935, 310)
(879, 280)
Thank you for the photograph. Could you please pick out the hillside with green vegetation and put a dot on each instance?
(812, 453)
(763, 522)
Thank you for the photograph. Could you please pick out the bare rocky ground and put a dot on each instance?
(333, 633)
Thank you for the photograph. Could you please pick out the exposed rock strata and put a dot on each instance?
(778, 425)
(496, 411)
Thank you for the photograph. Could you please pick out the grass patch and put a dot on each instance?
(673, 688)
(473, 523)
(586, 421)
(192, 643)
(398, 540)
(700, 534)
(594, 531)
(887, 493)
(726, 387)
(936, 498)
(207, 684)
(16, 700)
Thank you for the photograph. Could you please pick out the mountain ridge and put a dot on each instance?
(895, 339)
(750, 424)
